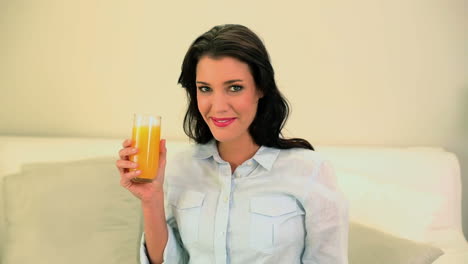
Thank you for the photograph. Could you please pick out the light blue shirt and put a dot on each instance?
(280, 206)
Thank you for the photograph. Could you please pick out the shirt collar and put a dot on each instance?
(204, 151)
(265, 156)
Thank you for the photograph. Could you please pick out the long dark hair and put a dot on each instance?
(239, 42)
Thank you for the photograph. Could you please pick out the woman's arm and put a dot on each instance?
(173, 251)
(155, 228)
(151, 196)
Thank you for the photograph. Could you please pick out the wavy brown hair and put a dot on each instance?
(239, 42)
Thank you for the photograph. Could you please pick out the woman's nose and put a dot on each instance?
(220, 103)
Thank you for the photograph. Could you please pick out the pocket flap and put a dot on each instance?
(189, 199)
(273, 205)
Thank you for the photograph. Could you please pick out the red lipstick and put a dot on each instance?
(222, 122)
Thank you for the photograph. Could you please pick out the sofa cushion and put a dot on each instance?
(368, 245)
(70, 212)
(428, 170)
(396, 209)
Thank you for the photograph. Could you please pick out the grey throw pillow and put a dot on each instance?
(70, 212)
(370, 246)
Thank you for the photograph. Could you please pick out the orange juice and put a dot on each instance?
(146, 139)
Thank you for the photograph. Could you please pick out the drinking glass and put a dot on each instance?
(146, 135)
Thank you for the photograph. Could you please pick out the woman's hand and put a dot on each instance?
(146, 192)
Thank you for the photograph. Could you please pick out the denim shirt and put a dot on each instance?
(280, 206)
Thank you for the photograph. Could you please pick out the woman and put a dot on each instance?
(243, 194)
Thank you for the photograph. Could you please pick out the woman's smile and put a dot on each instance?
(222, 122)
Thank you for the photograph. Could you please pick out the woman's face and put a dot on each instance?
(227, 97)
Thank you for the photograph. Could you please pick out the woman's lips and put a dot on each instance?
(222, 122)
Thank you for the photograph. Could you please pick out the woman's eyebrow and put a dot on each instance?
(232, 81)
(226, 82)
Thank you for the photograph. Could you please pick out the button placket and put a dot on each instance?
(222, 222)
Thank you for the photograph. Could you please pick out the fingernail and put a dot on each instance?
(138, 171)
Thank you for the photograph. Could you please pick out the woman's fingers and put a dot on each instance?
(126, 178)
(124, 153)
(125, 165)
(130, 175)
(127, 150)
(127, 143)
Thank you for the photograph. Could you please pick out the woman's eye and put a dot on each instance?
(235, 88)
(204, 89)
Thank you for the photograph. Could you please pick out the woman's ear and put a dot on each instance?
(259, 93)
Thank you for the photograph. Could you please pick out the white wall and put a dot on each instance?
(370, 72)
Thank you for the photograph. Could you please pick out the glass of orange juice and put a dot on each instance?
(146, 135)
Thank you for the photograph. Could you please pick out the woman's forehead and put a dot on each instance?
(222, 69)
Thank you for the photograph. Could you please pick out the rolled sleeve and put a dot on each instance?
(327, 224)
(174, 253)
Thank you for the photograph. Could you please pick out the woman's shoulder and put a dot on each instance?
(186, 154)
(301, 155)
(180, 162)
(312, 164)
(181, 152)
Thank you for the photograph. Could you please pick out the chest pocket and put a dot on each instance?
(275, 221)
(187, 210)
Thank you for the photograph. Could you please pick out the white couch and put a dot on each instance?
(410, 193)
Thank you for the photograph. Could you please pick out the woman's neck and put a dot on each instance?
(237, 152)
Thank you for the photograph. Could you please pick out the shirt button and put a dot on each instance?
(226, 199)
(250, 163)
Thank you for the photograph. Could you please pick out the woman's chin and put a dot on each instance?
(223, 137)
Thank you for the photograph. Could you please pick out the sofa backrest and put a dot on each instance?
(411, 192)
(380, 183)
